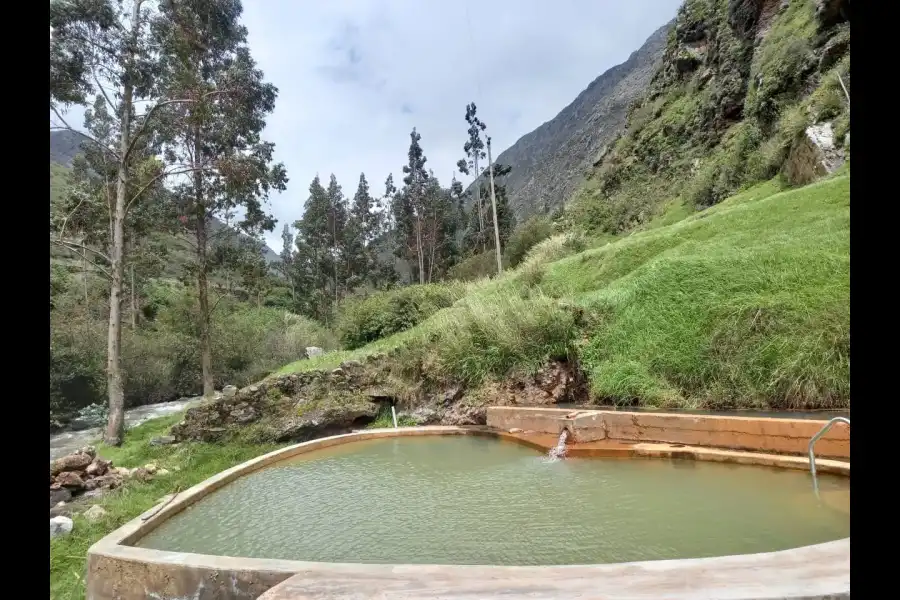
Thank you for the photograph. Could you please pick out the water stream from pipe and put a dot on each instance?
(559, 451)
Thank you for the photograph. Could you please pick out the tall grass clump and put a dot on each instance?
(365, 320)
(497, 333)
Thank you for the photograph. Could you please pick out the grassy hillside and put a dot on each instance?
(745, 304)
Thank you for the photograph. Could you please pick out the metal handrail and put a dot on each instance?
(812, 443)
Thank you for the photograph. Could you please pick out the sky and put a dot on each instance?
(355, 76)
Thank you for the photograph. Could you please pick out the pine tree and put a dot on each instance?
(312, 261)
(474, 149)
(337, 224)
(414, 201)
(286, 259)
(362, 232)
(204, 57)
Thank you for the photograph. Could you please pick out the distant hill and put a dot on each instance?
(548, 163)
(65, 145)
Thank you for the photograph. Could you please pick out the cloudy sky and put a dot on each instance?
(355, 76)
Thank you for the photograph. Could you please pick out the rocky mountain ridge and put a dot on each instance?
(549, 162)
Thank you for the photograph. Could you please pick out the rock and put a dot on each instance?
(97, 467)
(71, 480)
(89, 450)
(142, 474)
(104, 482)
(229, 391)
(832, 12)
(452, 395)
(515, 430)
(465, 415)
(150, 468)
(833, 51)
(312, 351)
(423, 416)
(60, 527)
(813, 155)
(59, 495)
(77, 461)
(324, 419)
(689, 57)
(162, 472)
(163, 440)
(94, 513)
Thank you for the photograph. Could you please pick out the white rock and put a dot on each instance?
(515, 430)
(229, 390)
(162, 472)
(314, 351)
(94, 513)
(151, 468)
(60, 503)
(60, 526)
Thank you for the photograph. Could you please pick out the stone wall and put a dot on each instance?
(783, 436)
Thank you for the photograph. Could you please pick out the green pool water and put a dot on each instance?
(471, 500)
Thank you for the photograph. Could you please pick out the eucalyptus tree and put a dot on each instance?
(204, 57)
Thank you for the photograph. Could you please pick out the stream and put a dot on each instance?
(65, 442)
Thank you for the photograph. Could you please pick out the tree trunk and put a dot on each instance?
(115, 425)
(478, 204)
(419, 249)
(133, 302)
(202, 281)
(494, 209)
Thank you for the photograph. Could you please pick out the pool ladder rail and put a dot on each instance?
(812, 444)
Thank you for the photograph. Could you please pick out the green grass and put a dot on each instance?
(188, 464)
(745, 304)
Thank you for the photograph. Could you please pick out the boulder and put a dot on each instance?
(95, 513)
(832, 12)
(77, 461)
(151, 468)
(312, 351)
(60, 526)
(142, 474)
(228, 391)
(109, 481)
(71, 480)
(163, 440)
(813, 155)
(97, 467)
(423, 416)
(58, 495)
(323, 419)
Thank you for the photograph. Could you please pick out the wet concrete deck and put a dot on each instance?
(821, 571)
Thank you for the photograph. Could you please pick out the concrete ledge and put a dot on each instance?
(754, 434)
(119, 571)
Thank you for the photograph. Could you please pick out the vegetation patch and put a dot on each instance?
(187, 463)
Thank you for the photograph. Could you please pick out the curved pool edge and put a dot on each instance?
(117, 570)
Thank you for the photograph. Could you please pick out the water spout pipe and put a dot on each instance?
(394, 415)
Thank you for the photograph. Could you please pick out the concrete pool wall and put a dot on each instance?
(118, 570)
(754, 434)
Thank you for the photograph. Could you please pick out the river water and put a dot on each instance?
(64, 442)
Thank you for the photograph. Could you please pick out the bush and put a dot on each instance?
(364, 320)
(161, 358)
(533, 231)
(496, 333)
(477, 266)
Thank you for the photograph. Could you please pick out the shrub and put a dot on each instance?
(533, 231)
(477, 266)
(364, 320)
(495, 333)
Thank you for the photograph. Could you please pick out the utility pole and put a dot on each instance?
(494, 208)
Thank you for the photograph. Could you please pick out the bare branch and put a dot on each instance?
(146, 116)
(75, 247)
(103, 91)
(159, 176)
(67, 127)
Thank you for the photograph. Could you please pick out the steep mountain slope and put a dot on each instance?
(65, 145)
(547, 164)
(746, 90)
